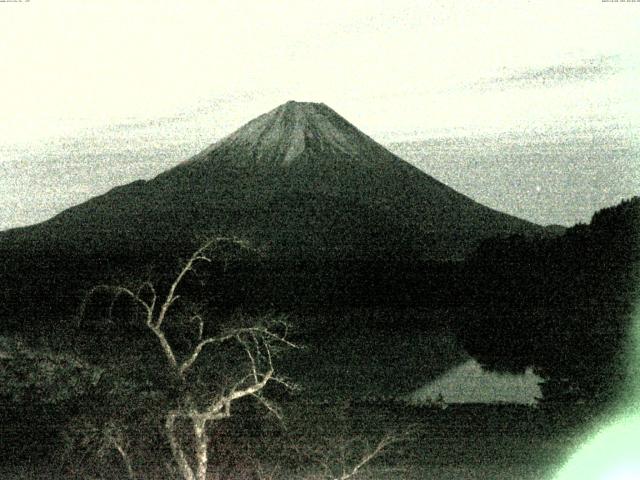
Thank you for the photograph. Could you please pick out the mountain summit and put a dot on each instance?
(293, 130)
(299, 181)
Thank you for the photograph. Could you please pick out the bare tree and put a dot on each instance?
(258, 341)
(335, 458)
(344, 469)
(99, 439)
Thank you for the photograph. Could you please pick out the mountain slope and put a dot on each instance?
(299, 181)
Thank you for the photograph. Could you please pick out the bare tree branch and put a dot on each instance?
(235, 334)
(166, 348)
(200, 325)
(259, 342)
(193, 356)
(148, 285)
(268, 405)
(176, 449)
(368, 456)
(198, 255)
(252, 360)
(285, 382)
(116, 291)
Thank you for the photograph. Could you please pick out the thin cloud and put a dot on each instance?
(205, 108)
(584, 70)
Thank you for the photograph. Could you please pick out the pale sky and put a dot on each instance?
(98, 93)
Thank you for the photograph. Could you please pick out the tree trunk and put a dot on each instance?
(199, 430)
(127, 462)
(178, 454)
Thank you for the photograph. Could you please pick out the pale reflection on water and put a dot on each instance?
(469, 383)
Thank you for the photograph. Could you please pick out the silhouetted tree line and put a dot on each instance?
(562, 305)
(41, 286)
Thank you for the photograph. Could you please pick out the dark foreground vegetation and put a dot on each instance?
(143, 367)
(563, 305)
(315, 441)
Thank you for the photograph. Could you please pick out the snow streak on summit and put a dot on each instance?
(287, 131)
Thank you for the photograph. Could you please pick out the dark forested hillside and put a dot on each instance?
(562, 305)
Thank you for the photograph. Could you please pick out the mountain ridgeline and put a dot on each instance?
(299, 182)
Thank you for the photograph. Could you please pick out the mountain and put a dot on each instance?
(299, 182)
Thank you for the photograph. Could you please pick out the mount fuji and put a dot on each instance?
(299, 182)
